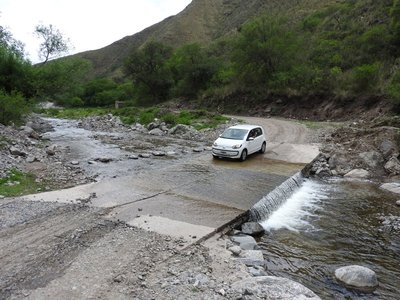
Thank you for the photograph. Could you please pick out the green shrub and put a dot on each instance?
(12, 108)
(393, 89)
(365, 78)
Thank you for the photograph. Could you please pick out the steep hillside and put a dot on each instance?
(201, 21)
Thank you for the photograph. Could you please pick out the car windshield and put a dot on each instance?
(234, 134)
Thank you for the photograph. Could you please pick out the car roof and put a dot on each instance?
(245, 126)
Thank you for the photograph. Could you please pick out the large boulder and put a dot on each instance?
(252, 228)
(246, 242)
(270, 287)
(358, 277)
(372, 158)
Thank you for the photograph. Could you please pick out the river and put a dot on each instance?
(327, 225)
(323, 226)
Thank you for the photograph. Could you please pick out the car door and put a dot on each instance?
(258, 139)
(251, 140)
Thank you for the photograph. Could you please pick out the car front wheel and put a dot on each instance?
(244, 155)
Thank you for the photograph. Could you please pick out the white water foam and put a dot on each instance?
(295, 213)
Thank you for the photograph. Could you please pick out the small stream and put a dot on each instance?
(327, 225)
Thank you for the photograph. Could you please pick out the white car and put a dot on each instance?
(239, 141)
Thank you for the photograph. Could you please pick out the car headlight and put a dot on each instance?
(215, 144)
(237, 146)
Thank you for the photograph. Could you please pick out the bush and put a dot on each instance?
(12, 108)
(365, 78)
(393, 90)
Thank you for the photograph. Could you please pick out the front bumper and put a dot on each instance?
(225, 153)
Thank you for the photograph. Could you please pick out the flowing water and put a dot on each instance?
(327, 225)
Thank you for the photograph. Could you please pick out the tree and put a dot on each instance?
(15, 70)
(60, 79)
(149, 71)
(264, 47)
(193, 69)
(7, 41)
(53, 44)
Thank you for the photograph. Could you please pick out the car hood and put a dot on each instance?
(228, 143)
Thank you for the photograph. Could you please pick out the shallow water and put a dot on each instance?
(327, 225)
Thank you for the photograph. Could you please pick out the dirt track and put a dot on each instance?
(280, 131)
(71, 251)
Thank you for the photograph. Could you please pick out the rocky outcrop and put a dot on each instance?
(360, 147)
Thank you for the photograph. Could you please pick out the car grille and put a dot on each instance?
(227, 153)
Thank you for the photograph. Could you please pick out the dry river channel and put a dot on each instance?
(69, 244)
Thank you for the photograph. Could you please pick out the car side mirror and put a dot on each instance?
(250, 139)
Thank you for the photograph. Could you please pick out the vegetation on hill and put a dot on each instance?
(295, 48)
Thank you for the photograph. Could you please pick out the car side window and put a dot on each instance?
(258, 132)
(252, 134)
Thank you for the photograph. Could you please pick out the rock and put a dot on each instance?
(357, 173)
(252, 258)
(246, 242)
(252, 228)
(133, 156)
(337, 160)
(398, 202)
(156, 132)
(235, 250)
(2, 197)
(74, 162)
(158, 153)
(30, 132)
(393, 166)
(257, 271)
(197, 150)
(17, 152)
(271, 287)
(372, 158)
(31, 159)
(181, 129)
(51, 150)
(144, 155)
(393, 187)
(104, 159)
(357, 277)
(388, 148)
(153, 125)
(171, 153)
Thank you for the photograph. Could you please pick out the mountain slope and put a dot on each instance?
(201, 21)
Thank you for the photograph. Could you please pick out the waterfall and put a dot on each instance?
(269, 203)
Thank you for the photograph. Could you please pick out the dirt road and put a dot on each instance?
(288, 141)
(55, 247)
